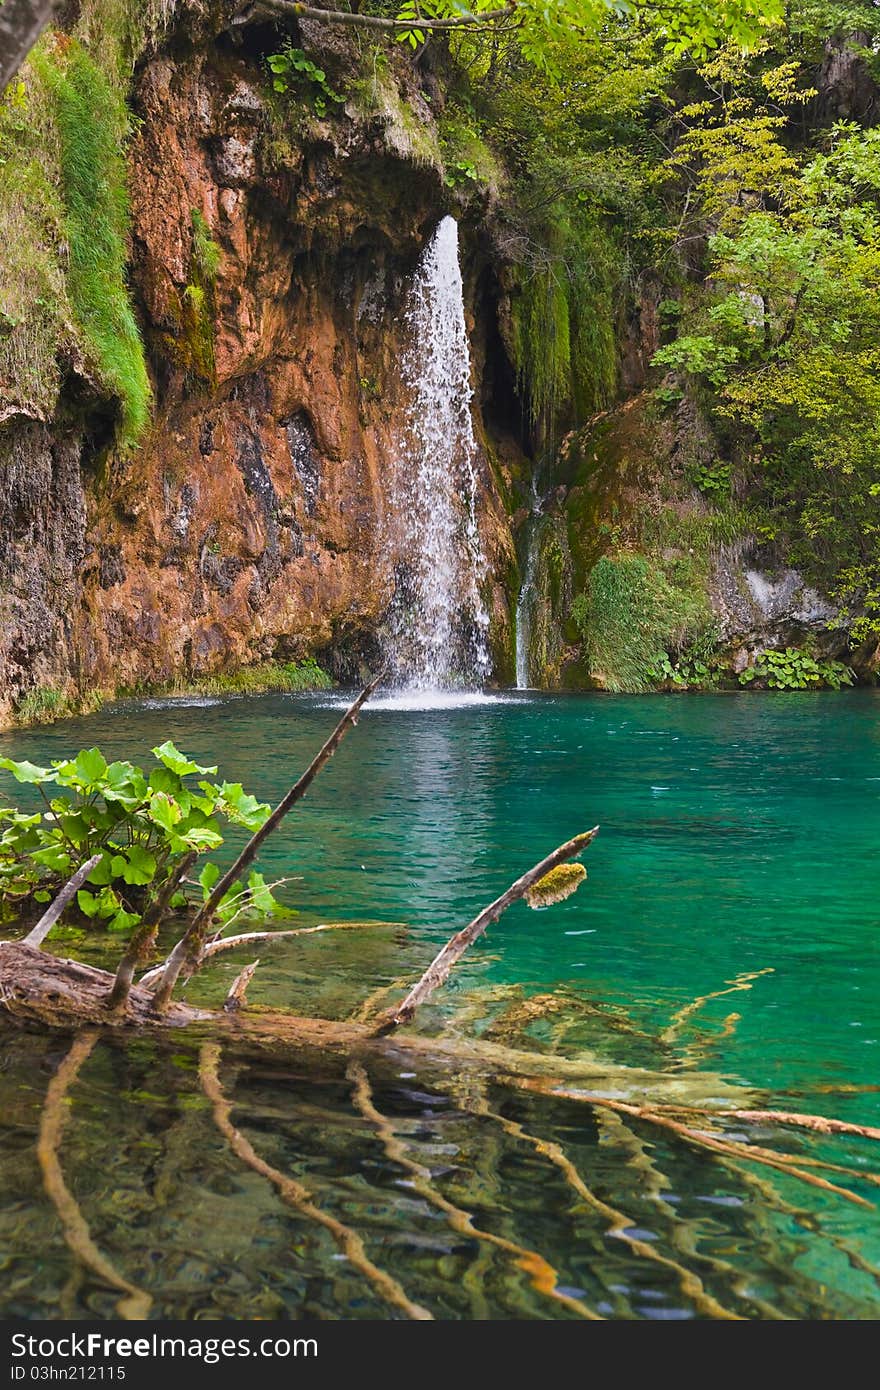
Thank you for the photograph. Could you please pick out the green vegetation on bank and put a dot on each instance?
(631, 615)
(262, 679)
(44, 704)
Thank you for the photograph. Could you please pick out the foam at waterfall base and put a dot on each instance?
(409, 698)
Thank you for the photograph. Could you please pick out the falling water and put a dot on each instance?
(438, 625)
(524, 611)
(525, 606)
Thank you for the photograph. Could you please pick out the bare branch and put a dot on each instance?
(136, 1303)
(37, 935)
(237, 995)
(189, 947)
(442, 963)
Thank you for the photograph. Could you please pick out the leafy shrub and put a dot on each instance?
(141, 823)
(712, 479)
(794, 669)
(292, 67)
(687, 673)
(631, 615)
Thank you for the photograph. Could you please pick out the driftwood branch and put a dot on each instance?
(439, 969)
(37, 935)
(298, 1196)
(237, 995)
(136, 1303)
(190, 945)
(144, 939)
(257, 938)
(820, 1124)
(21, 24)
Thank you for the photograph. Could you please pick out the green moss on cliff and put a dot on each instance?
(268, 676)
(34, 310)
(92, 124)
(64, 217)
(375, 95)
(195, 347)
(563, 324)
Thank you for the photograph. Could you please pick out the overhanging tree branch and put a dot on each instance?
(292, 9)
(21, 24)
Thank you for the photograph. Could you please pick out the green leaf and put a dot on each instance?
(91, 766)
(102, 873)
(74, 828)
(178, 762)
(208, 877)
(123, 921)
(139, 866)
(164, 812)
(126, 784)
(108, 903)
(27, 772)
(53, 857)
(162, 779)
(87, 902)
(201, 838)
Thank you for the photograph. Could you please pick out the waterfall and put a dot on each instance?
(436, 637)
(525, 605)
(524, 611)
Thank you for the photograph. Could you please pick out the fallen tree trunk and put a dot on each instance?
(48, 991)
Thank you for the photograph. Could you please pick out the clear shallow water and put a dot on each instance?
(738, 835)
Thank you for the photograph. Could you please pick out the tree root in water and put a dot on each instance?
(681, 1233)
(617, 1223)
(136, 1303)
(681, 1019)
(702, 1138)
(298, 1196)
(541, 1273)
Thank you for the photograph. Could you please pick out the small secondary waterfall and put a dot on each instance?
(437, 631)
(525, 605)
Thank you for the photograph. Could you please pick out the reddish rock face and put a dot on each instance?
(253, 521)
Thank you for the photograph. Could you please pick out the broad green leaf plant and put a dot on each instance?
(142, 823)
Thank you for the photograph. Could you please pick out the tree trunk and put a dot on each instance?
(47, 991)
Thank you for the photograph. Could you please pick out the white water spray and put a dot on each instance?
(438, 624)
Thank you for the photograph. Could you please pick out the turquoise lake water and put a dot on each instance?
(739, 835)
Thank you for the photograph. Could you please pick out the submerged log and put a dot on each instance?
(47, 991)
